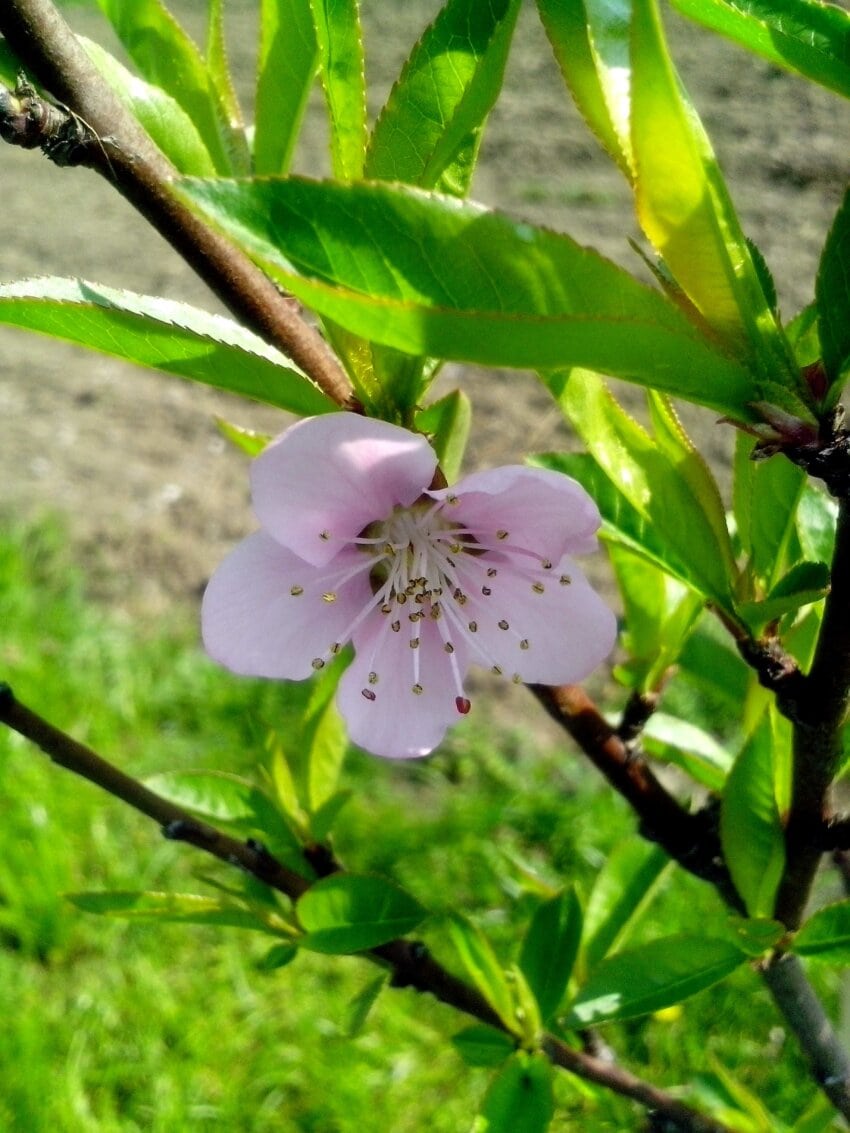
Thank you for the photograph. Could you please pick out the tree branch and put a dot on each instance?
(690, 839)
(117, 147)
(411, 963)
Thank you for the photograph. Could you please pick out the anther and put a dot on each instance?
(486, 591)
(565, 580)
(373, 678)
(417, 689)
(492, 572)
(473, 627)
(317, 663)
(525, 643)
(324, 536)
(296, 591)
(503, 624)
(448, 647)
(414, 643)
(462, 704)
(329, 596)
(368, 694)
(538, 587)
(501, 535)
(395, 627)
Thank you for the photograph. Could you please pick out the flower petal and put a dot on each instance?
(324, 479)
(265, 612)
(541, 510)
(400, 723)
(554, 636)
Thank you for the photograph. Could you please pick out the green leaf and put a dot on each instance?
(323, 819)
(358, 1009)
(684, 745)
(685, 209)
(663, 479)
(805, 583)
(653, 976)
(826, 935)
(708, 663)
(832, 295)
(168, 58)
(817, 515)
(446, 423)
(622, 890)
(349, 912)
(801, 35)
(591, 46)
(519, 1097)
(438, 278)
(248, 441)
(429, 131)
(278, 956)
(337, 25)
(750, 829)
(549, 950)
(231, 121)
(755, 936)
(328, 743)
(482, 966)
(286, 69)
(161, 116)
(10, 65)
(181, 908)
(765, 498)
(482, 1045)
(162, 334)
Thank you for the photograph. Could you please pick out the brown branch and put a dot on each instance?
(691, 839)
(411, 963)
(118, 148)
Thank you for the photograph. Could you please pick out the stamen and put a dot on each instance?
(368, 694)
(486, 591)
(296, 591)
(565, 580)
(538, 588)
(325, 536)
(329, 596)
(462, 704)
(317, 663)
(525, 643)
(503, 624)
(417, 689)
(414, 643)
(373, 678)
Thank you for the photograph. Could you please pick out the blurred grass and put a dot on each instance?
(111, 1027)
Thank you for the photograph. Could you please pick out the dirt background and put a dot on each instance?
(153, 496)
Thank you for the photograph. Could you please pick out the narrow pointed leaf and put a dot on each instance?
(162, 334)
(591, 46)
(287, 66)
(750, 830)
(765, 498)
(482, 1045)
(805, 583)
(483, 968)
(623, 888)
(685, 209)
(520, 1096)
(653, 976)
(347, 913)
(181, 908)
(656, 482)
(447, 422)
(435, 277)
(229, 112)
(161, 116)
(549, 950)
(832, 293)
(168, 58)
(337, 24)
(801, 35)
(429, 130)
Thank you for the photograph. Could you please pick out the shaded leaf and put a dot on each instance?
(358, 1009)
(765, 498)
(182, 908)
(447, 422)
(549, 950)
(162, 334)
(520, 1096)
(622, 890)
(483, 967)
(687, 746)
(482, 1045)
(354, 912)
(278, 956)
(832, 295)
(826, 935)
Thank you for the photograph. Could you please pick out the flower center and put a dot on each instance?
(413, 551)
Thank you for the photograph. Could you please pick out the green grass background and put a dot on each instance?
(110, 1027)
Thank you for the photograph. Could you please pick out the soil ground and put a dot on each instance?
(152, 494)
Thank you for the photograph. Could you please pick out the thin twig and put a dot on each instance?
(411, 963)
(124, 154)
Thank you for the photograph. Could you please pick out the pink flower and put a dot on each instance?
(356, 547)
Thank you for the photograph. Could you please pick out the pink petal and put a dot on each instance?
(255, 622)
(555, 637)
(399, 723)
(324, 479)
(541, 510)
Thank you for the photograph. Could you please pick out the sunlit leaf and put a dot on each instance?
(439, 278)
(550, 948)
(162, 334)
(832, 292)
(519, 1097)
(621, 892)
(750, 830)
(685, 745)
(180, 908)
(826, 935)
(339, 39)
(482, 966)
(351, 913)
(653, 976)
(447, 423)
(160, 115)
(429, 131)
(286, 69)
(765, 498)
(802, 35)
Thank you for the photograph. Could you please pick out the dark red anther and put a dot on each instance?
(462, 704)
